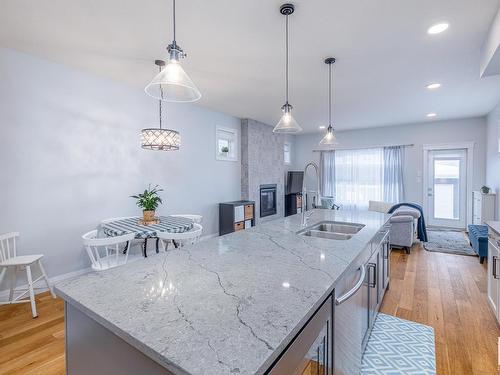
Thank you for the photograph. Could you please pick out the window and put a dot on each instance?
(226, 144)
(355, 177)
(358, 177)
(287, 153)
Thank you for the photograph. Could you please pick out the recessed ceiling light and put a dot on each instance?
(433, 86)
(437, 28)
(322, 127)
(432, 114)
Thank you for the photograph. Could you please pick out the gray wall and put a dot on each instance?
(70, 156)
(493, 155)
(463, 130)
(262, 163)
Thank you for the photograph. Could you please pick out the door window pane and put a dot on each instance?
(447, 189)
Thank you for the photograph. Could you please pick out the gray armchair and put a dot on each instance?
(404, 228)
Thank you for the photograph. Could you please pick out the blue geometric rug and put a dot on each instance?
(398, 347)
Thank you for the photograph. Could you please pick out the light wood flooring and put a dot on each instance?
(32, 346)
(447, 292)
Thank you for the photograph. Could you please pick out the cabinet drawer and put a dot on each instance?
(248, 211)
(239, 226)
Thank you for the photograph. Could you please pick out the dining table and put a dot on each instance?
(172, 224)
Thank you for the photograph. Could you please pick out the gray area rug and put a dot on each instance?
(447, 241)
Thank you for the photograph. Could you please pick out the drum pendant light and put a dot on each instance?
(172, 84)
(160, 139)
(287, 123)
(329, 139)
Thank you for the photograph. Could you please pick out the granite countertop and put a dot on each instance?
(226, 305)
(494, 225)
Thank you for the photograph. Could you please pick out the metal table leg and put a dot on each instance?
(125, 248)
(144, 247)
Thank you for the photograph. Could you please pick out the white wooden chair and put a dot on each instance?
(107, 252)
(196, 218)
(190, 237)
(10, 260)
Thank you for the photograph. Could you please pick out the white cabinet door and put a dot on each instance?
(493, 275)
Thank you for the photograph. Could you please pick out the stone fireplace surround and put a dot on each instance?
(262, 163)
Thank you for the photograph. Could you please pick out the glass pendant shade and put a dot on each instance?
(160, 139)
(172, 84)
(287, 123)
(329, 139)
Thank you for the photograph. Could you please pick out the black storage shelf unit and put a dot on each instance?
(235, 216)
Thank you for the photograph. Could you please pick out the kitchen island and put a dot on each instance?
(228, 305)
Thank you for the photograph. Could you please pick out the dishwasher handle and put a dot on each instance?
(350, 293)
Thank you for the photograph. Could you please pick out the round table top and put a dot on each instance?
(173, 224)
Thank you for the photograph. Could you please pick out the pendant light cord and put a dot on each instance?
(286, 59)
(161, 96)
(174, 20)
(330, 96)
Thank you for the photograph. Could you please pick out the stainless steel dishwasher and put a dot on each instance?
(350, 321)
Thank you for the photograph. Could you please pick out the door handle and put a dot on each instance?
(386, 249)
(494, 267)
(372, 266)
(355, 288)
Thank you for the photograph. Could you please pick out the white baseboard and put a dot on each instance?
(4, 294)
(209, 236)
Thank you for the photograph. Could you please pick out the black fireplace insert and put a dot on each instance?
(267, 200)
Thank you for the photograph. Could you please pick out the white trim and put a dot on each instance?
(289, 144)
(4, 294)
(236, 142)
(469, 146)
(208, 236)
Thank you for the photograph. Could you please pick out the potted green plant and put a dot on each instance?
(149, 202)
(224, 150)
(485, 190)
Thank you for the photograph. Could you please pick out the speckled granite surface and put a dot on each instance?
(228, 305)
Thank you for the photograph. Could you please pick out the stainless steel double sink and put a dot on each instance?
(332, 230)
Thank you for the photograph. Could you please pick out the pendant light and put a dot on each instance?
(160, 139)
(329, 139)
(172, 84)
(287, 123)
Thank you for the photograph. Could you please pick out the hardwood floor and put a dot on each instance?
(447, 292)
(32, 346)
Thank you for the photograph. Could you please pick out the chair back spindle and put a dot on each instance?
(8, 246)
(107, 252)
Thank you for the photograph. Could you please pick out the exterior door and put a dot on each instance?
(447, 188)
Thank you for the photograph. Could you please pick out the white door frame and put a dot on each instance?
(469, 146)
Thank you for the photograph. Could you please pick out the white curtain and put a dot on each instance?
(358, 177)
(393, 174)
(327, 173)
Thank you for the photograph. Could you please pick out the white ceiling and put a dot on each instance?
(384, 55)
